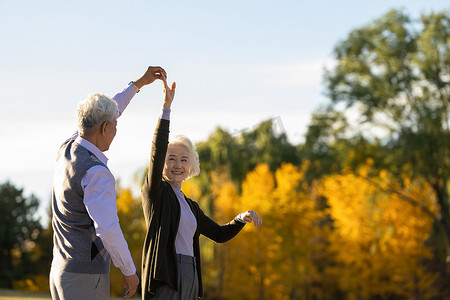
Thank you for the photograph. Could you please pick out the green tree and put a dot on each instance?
(241, 153)
(394, 73)
(19, 228)
(331, 149)
(324, 141)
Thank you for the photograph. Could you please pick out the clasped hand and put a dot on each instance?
(251, 216)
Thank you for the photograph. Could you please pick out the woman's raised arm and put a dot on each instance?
(153, 179)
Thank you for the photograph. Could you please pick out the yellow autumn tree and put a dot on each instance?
(226, 207)
(379, 238)
(255, 247)
(273, 261)
(297, 232)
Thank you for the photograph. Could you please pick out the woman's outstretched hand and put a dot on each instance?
(251, 216)
(169, 92)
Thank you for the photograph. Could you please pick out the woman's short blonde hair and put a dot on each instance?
(194, 162)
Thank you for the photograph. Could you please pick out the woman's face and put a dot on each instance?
(176, 168)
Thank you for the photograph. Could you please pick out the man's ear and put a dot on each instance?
(103, 128)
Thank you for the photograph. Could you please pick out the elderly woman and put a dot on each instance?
(171, 257)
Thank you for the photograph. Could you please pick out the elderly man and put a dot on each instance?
(87, 234)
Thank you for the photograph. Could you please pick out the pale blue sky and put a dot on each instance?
(236, 63)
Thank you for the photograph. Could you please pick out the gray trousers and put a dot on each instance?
(187, 282)
(75, 286)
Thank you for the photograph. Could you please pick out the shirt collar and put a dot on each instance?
(91, 147)
(176, 187)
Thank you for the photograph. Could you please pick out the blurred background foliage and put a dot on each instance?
(360, 210)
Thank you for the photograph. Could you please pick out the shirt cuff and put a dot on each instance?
(239, 218)
(128, 271)
(165, 113)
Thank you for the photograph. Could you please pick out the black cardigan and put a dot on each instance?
(162, 217)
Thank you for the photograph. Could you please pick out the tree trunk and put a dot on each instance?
(261, 269)
(10, 268)
(444, 222)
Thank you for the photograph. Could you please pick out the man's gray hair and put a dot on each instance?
(94, 111)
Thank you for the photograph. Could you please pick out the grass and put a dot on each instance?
(19, 295)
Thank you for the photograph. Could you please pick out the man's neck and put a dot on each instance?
(94, 140)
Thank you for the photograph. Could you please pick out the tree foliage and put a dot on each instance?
(378, 241)
(241, 153)
(394, 73)
(374, 247)
(19, 229)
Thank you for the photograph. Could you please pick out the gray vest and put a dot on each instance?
(76, 248)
